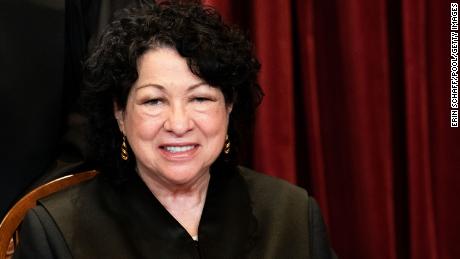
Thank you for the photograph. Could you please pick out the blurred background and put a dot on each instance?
(356, 110)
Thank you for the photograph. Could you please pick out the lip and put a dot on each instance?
(179, 156)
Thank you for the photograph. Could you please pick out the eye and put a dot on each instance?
(155, 101)
(202, 99)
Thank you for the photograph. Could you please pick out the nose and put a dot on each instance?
(178, 121)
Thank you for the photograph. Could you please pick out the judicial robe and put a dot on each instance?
(246, 215)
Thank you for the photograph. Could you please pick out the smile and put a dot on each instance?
(179, 152)
(177, 149)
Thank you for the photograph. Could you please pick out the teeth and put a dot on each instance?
(174, 149)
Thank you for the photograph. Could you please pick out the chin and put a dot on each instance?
(181, 175)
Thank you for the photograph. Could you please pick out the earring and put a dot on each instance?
(124, 149)
(227, 145)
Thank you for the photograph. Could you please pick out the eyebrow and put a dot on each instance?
(162, 88)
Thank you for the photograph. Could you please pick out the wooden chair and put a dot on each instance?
(9, 234)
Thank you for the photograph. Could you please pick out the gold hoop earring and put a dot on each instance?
(124, 149)
(227, 145)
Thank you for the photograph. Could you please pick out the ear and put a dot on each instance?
(119, 116)
(229, 109)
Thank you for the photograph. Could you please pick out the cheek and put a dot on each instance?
(142, 126)
(213, 123)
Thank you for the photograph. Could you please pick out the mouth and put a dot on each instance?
(178, 149)
(177, 152)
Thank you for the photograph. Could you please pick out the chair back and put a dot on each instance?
(9, 234)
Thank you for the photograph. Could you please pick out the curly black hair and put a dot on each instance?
(219, 54)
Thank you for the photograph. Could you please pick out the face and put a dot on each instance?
(174, 122)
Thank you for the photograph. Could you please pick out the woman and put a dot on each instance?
(168, 87)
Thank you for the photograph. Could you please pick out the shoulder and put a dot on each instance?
(286, 213)
(270, 195)
(67, 204)
(72, 194)
(270, 186)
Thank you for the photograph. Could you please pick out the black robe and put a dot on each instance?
(246, 215)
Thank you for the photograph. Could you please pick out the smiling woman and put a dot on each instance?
(169, 88)
(176, 126)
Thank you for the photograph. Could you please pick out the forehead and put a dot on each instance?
(165, 67)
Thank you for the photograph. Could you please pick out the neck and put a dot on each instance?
(184, 202)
